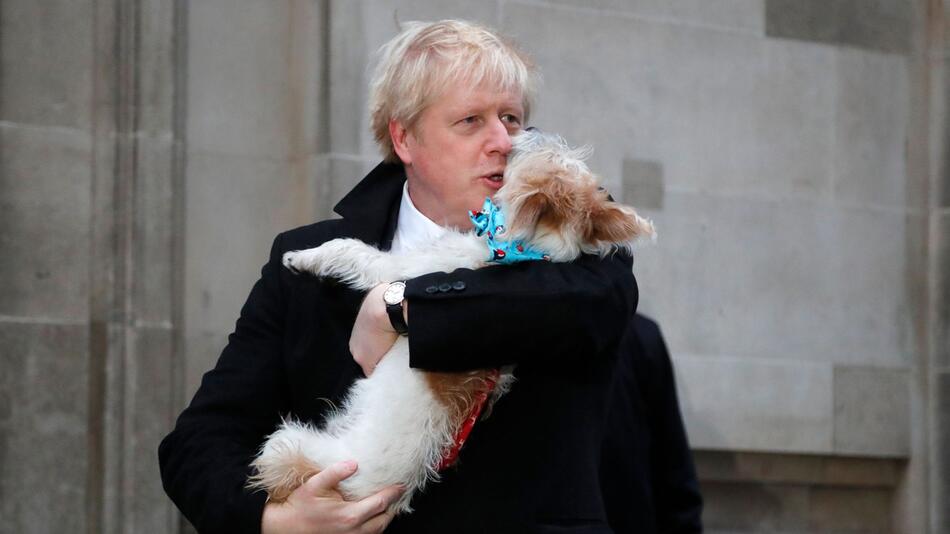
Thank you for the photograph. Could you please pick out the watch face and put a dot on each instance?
(393, 293)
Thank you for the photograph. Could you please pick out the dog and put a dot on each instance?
(403, 425)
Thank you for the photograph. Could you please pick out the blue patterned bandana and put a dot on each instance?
(491, 222)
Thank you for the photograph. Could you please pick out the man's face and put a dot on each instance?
(456, 153)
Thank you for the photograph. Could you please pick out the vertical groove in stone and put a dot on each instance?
(102, 256)
(323, 109)
(179, 154)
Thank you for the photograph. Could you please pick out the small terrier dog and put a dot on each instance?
(403, 425)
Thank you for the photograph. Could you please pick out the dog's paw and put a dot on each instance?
(289, 261)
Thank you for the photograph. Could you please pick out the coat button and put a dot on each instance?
(458, 285)
(445, 287)
(432, 289)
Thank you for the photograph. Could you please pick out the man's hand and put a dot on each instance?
(373, 333)
(317, 507)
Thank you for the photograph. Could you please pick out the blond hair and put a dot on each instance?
(426, 58)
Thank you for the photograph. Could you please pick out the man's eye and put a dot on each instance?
(469, 120)
(511, 119)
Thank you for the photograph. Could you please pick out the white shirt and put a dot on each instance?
(413, 229)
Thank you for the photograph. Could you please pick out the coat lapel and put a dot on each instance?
(372, 207)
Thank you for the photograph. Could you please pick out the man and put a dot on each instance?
(446, 98)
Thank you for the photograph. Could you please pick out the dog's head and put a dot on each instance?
(553, 201)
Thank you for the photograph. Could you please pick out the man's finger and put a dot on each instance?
(328, 479)
(376, 503)
(377, 524)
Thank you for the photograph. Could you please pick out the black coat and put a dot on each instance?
(647, 473)
(531, 467)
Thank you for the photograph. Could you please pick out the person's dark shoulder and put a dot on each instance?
(312, 235)
(649, 337)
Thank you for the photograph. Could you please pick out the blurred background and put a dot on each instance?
(793, 154)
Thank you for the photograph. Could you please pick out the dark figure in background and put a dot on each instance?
(647, 475)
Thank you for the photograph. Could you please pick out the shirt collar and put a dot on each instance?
(413, 229)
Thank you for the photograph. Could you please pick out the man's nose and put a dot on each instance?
(499, 139)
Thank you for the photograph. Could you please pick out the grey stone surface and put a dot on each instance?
(47, 74)
(806, 469)
(941, 320)
(871, 112)
(642, 184)
(239, 99)
(744, 15)
(758, 123)
(941, 461)
(848, 510)
(44, 214)
(872, 411)
(234, 208)
(150, 411)
(756, 405)
(43, 420)
(795, 508)
(755, 507)
(777, 279)
(885, 25)
(155, 66)
(154, 236)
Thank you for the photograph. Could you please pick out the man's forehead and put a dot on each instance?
(463, 97)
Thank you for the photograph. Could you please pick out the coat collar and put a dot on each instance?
(372, 207)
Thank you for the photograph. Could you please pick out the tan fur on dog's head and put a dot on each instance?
(553, 202)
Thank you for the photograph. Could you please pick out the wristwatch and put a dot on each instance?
(393, 297)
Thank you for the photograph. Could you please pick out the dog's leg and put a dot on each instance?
(282, 465)
(362, 266)
(350, 260)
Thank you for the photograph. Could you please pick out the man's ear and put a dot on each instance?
(399, 135)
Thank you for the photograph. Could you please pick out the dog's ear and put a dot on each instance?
(529, 208)
(612, 223)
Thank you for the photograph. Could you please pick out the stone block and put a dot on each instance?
(941, 322)
(941, 429)
(872, 411)
(150, 409)
(45, 203)
(155, 233)
(805, 469)
(754, 507)
(720, 111)
(882, 25)
(43, 427)
(849, 510)
(642, 184)
(238, 84)
(756, 405)
(943, 158)
(741, 15)
(871, 117)
(792, 280)
(46, 56)
(234, 208)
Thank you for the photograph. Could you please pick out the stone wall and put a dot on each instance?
(792, 153)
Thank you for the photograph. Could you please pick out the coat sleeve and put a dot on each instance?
(561, 313)
(205, 459)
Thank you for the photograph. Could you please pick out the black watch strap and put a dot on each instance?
(397, 320)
